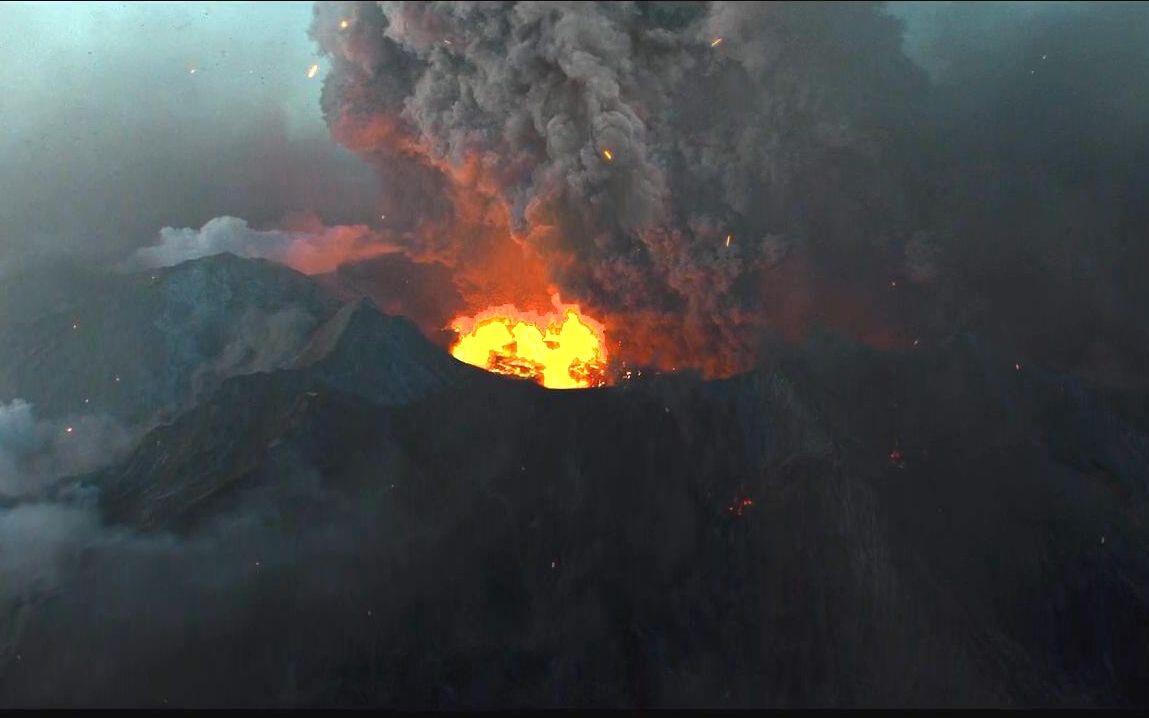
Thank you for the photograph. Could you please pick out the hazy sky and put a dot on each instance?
(246, 56)
(120, 118)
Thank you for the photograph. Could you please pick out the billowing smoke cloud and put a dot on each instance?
(286, 567)
(36, 541)
(34, 451)
(316, 250)
(700, 172)
(661, 159)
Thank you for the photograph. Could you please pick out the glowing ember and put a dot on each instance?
(608, 155)
(897, 458)
(739, 507)
(343, 24)
(312, 71)
(716, 42)
(564, 349)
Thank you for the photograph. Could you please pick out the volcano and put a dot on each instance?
(321, 507)
(461, 355)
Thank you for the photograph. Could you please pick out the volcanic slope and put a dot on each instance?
(841, 527)
(142, 346)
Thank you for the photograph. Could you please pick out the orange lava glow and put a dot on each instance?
(483, 258)
(564, 349)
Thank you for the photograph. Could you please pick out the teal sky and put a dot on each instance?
(117, 119)
(89, 57)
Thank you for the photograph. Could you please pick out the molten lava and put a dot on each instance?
(564, 349)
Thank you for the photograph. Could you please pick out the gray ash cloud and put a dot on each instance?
(841, 159)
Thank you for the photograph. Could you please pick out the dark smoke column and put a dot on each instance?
(693, 173)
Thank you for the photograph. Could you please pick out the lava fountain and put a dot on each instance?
(563, 349)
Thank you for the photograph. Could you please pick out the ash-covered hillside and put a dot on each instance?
(150, 342)
(329, 510)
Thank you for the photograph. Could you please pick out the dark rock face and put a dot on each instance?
(841, 527)
(380, 358)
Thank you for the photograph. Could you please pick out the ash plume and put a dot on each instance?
(699, 173)
(72, 580)
(522, 103)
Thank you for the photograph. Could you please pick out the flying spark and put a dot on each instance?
(716, 42)
(740, 506)
(69, 430)
(608, 155)
(343, 24)
(897, 458)
(728, 238)
(312, 71)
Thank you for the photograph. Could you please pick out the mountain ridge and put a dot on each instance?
(840, 526)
